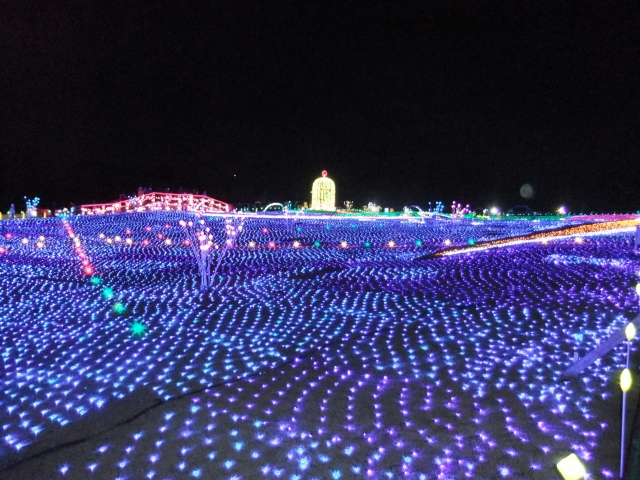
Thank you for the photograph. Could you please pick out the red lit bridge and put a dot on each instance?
(159, 201)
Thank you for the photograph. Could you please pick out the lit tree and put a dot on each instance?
(200, 240)
(31, 206)
(457, 210)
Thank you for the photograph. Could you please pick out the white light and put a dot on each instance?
(630, 331)
(571, 468)
(494, 211)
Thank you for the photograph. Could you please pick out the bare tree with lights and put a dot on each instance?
(200, 240)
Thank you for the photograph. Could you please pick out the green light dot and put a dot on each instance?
(471, 241)
(119, 308)
(96, 280)
(107, 293)
(316, 244)
(138, 328)
(419, 243)
(367, 244)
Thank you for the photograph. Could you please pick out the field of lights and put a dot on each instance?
(326, 348)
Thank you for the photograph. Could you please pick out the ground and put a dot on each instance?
(328, 360)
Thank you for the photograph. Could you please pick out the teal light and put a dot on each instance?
(138, 329)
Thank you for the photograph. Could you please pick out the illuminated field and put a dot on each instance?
(344, 356)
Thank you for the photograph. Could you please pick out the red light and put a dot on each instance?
(88, 270)
(166, 225)
(127, 231)
(160, 236)
(272, 244)
(265, 230)
(145, 242)
(187, 242)
(148, 229)
(3, 250)
(9, 236)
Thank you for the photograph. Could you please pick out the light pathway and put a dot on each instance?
(605, 228)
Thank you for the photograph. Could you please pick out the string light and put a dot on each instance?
(359, 361)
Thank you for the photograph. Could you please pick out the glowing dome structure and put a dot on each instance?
(323, 193)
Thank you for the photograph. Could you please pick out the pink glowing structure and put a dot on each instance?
(155, 201)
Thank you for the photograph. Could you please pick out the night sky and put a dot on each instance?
(403, 103)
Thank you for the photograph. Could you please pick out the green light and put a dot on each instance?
(471, 241)
(316, 244)
(418, 243)
(119, 308)
(96, 280)
(138, 328)
(107, 293)
(367, 244)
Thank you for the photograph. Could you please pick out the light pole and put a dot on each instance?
(625, 385)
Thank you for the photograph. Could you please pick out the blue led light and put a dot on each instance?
(362, 360)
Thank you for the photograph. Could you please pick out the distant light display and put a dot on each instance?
(159, 201)
(309, 359)
(323, 194)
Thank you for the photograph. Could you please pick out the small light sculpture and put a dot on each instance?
(323, 193)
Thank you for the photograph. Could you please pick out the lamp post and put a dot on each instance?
(625, 385)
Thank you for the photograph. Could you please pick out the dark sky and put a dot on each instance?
(403, 103)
